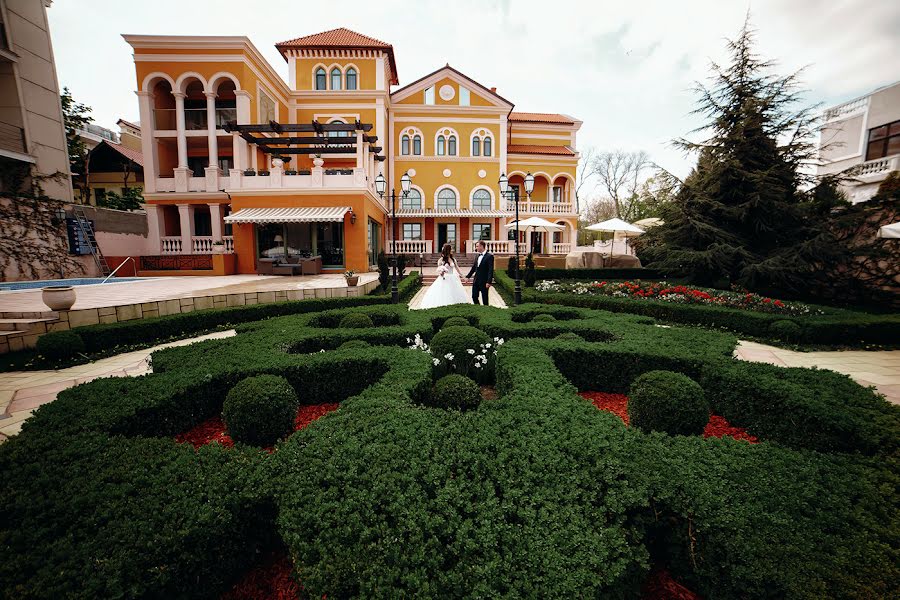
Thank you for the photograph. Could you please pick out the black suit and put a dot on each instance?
(484, 274)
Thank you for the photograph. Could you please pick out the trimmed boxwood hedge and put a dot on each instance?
(536, 493)
(260, 410)
(836, 327)
(669, 402)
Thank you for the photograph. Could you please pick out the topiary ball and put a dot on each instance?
(785, 330)
(260, 410)
(456, 341)
(456, 392)
(60, 345)
(456, 322)
(356, 321)
(542, 318)
(571, 336)
(669, 402)
(354, 344)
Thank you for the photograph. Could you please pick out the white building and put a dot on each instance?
(861, 138)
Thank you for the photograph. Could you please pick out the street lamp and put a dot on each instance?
(380, 184)
(505, 192)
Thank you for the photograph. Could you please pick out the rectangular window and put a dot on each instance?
(556, 193)
(99, 194)
(429, 95)
(883, 141)
(404, 145)
(417, 146)
(267, 108)
(412, 231)
(202, 223)
(481, 231)
(463, 96)
(476, 146)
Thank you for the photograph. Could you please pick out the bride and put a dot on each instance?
(448, 287)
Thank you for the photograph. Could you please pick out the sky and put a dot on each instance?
(624, 68)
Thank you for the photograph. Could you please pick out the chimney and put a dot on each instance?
(493, 90)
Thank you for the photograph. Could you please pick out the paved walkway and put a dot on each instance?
(494, 298)
(881, 369)
(22, 392)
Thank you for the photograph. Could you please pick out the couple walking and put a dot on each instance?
(448, 288)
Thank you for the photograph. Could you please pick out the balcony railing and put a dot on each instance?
(12, 138)
(560, 248)
(223, 115)
(170, 244)
(526, 207)
(202, 244)
(229, 243)
(498, 246)
(873, 170)
(410, 246)
(847, 108)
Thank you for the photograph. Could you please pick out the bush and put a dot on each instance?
(456, 340)
(785, 330)
(456, 322)
(354, 344)
(260, 410)
(669, 402)
(543, 318)
(570, 336)
(356, 321)
(60, 345)
(511, 267)
(456, 392)
(530, 276)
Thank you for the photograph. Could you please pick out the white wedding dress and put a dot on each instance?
(447, 288)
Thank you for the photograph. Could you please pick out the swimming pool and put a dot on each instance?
(8, 286)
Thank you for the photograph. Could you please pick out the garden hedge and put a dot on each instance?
(533, 494)
(836, 327)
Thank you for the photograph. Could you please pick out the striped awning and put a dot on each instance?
(307, 214)
(452, 213)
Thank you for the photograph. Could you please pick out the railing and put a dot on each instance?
(12, 138)
(493, 246)
(170, 244)
(164, 119)
(197, 184)
(202, 244)
(876, 167)
(195, 119)
(541, 207)
(229, 243)
(121, 264)
(189, 262)
(560, 248)
(101, 132)
(846, 108)
(410, 246)
(223, 115)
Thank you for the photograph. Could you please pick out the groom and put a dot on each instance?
(483, 269)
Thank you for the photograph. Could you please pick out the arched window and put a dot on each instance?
(476, 146)
(446, 199)
(338, 133)
(451, 145)
(481, 200)
(351, 78)
(412, 201)
(336, 79)
(487, 146)
(417, 145)
(404, 145)
(320, 79)
(441, 142)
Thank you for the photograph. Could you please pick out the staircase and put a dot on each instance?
(87, 232)
(465, 262)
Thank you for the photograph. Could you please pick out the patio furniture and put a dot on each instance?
(264, 266)
(311, 266)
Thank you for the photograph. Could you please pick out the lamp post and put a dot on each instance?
(405, 182)
(505, 192)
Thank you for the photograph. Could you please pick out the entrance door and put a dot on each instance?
(446, 234)
(537, 242)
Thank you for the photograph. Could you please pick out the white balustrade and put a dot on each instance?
(410, 247)
(165, 184)
(847, 108)
(170, 244)
(202, 244)
(493, 246)
(229, 244)
(560, 248)
(197, 184)
(875, 168)
(541, 207)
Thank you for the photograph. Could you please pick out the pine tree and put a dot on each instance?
(740, 216)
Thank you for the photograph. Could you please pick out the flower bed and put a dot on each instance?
(269, 580)
(618, 405)
(680, 294)
(213, 429)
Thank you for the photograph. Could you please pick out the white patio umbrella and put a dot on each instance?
(617, 226)
(535, 224)
(891, 231)
(649, 222)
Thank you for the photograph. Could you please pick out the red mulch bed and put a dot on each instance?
(661, 586)
(618, 405)
(213, 429)
(269, 580)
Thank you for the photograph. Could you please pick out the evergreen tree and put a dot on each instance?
(75, 116)
(740, 216)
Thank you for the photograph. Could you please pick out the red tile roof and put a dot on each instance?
(536, 149)
(341, 38)
(528, 117)
(135, 156)
(128, 123)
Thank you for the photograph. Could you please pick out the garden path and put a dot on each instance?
(22, 392)
(878, 368)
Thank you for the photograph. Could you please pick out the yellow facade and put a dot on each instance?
(453, 136)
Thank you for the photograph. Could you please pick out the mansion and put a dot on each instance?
(240, 163)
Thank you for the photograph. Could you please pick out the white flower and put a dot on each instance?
(322, 350)
(470, 351)
(488, 345)
(449, 356)
(436, 361)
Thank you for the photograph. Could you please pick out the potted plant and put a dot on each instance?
(317, 161)
(352, 278)
(218, 247)
(249, 172)
(290, 172)
(58, 297)
(263, 172)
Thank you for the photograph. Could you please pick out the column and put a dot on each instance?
(154, 244)
(148, 142)
(211, 129)
(215, 216)
(186, 218)
(181, 171)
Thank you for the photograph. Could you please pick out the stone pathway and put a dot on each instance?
(881, 369)
(22, 392)
(494, 298)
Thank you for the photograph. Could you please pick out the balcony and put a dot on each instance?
(195, 119)
(316, 178)
(200, 244)
(12, 138)
(410, 247)
(847, 109)
(541, 208)
(872, 171)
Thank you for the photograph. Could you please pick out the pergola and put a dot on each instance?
(280, 139)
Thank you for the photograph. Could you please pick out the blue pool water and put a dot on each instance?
(29, 285)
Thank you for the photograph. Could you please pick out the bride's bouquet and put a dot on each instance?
(443, 270)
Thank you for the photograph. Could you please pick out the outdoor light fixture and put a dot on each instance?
(352, 218)
(380, 185)
(529, 183)
(505, 192)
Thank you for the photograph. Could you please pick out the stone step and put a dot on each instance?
(16, 324)
(8, 333)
